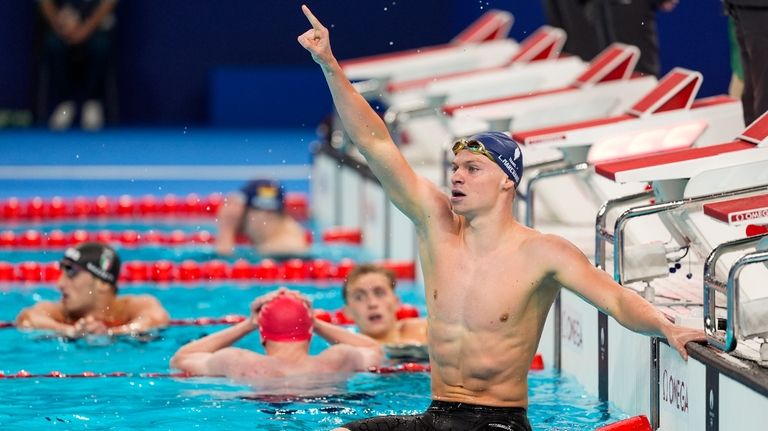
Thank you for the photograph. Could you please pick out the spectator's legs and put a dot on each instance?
(97, 50)
(634, 23)
(752, 34)
(57, 55)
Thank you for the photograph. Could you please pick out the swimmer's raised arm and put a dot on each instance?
(411, 193)
(568, 265)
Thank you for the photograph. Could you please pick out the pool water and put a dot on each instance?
(557, 402)
(164, 403)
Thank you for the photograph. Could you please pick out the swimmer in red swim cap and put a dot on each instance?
(285, 318)
(286, 323)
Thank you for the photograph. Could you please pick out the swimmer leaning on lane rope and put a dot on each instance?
(489, 280)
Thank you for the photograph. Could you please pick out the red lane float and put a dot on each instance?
(636, 423)
(130, 238)
(164, 271)
(126, 206)
(343, 235)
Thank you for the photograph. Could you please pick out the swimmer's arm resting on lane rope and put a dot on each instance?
(147, 313)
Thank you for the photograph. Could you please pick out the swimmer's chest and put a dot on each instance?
(496, 285)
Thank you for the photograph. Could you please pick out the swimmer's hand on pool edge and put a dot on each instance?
(679, 336)
(316, 40)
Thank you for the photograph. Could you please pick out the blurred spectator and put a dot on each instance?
(257, 211)
(595, 24)
(751, 21)
(77, 47)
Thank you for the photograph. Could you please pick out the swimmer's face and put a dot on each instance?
(78, 292)
(475, 182)
(372, 304)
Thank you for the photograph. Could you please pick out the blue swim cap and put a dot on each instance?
(263, 195)
(506, 153)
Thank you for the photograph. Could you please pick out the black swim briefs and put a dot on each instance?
(445, 416)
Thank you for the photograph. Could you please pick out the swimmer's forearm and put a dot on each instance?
(361, 122)
(219, 340)
(35, 319)
(640, 315)
(338, 335)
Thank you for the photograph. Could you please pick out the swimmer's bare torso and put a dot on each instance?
(485, 311)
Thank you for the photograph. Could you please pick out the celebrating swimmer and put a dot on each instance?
(285, 321)
(489, 280)
(89, 300)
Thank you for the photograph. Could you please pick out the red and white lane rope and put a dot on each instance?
(409, 367)
(192, 205)
(190, 271)
(58, 239)
(338, 317)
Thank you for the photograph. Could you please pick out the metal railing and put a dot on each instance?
(530, 190)
(730, 288)
(623, 219)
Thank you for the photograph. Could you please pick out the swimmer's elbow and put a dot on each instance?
(22, 320)
(373, 356)
(181, 362)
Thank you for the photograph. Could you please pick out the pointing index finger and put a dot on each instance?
(312, 19)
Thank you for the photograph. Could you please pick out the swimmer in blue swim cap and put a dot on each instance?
(285, 322)
(489, 281)
(257, 211)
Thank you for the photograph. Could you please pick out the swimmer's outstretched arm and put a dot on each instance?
(412, 194)
(568, 265)
(198, 357)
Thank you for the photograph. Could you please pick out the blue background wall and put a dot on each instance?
(177, 59)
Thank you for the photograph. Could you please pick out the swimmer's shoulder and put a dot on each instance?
(549, 249)
(131, 306)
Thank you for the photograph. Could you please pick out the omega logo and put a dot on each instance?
(572, 331)
(674, 391)
(749, 215)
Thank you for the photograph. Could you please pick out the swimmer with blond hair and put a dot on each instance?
(489, 281)
(370, 301)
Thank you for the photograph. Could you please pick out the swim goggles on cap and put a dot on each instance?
(472, 146)
(70, 269)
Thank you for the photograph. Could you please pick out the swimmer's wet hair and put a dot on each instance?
(368, 268)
